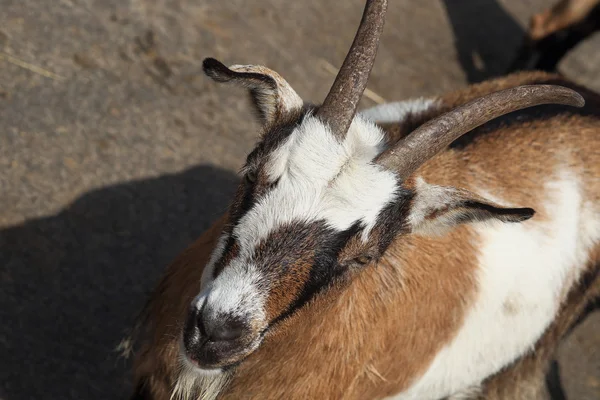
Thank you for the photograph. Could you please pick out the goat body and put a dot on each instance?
(443, 311)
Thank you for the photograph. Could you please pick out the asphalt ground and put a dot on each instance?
(116, 152)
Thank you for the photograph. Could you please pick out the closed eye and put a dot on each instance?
(250, 176)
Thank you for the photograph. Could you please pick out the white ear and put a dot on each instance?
(272, 96)
(437, 209)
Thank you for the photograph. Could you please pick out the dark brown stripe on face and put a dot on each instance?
(243, 201)
(285, 259)
(392, 220)
(311, 260)
(229, 254)
(321, 267)
(248, 192)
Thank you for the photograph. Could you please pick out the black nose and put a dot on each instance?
(223, 330)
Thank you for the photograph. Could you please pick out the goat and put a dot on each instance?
(411, 251)
(563, 14)
(554, 32)
(156, 363)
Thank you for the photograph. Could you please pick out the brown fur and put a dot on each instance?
(360, 322)
(287, 285)
(562, 15)
(369, 338)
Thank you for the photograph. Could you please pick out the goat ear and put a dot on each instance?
(437, 209)
(271, 95)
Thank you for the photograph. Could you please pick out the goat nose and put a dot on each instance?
(223, 330)
(230, 330)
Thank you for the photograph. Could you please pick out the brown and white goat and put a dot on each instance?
(386, 254)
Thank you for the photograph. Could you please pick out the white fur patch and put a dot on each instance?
(235, 292)
(321, 179)
(430, 198)
(191, 385)
(470, 393)
(397, 111)
(524, 272)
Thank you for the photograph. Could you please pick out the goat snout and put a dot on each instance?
(220, 330)
(213, 341)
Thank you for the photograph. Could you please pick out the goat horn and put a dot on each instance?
(341, 102)
(434, 136)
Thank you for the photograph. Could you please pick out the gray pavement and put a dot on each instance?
(116, 152)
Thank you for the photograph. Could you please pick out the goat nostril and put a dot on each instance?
(226, 331)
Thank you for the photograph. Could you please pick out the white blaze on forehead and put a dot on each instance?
(320, 178)
(524, 272)
(236, 291)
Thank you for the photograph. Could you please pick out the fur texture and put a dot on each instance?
(360, 338)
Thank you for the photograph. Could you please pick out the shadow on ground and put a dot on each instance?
(73, 282)
(485, 36)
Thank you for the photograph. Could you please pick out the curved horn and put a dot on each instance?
(341, 102)
(434, 136)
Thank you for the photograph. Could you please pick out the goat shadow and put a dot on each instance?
(486, 37)
(72, 283)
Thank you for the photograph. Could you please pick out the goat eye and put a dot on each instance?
(362, 260)
(251, 176)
